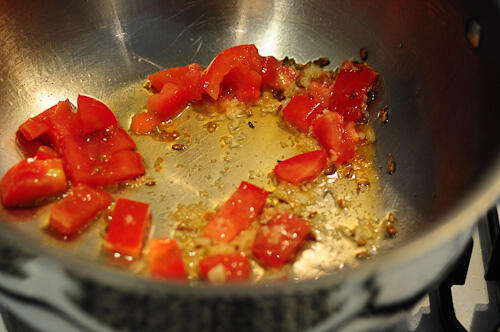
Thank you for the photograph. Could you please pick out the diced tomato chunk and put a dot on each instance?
(300, 112)
(320, 93)
(303, 167)
(127, 228)
(144, 123)
(94, 114)
(79, 207)
(237, 213)
(63, 122)
(276, 75)
(44, 152)
(168, 102)
(28, 148)
(31, 180)
(241, 55)
(331, 133)
(188, 78)
(122, 165)
(225, 268)
(165, 259)
(278, 240)
(349, 97)
(244, 83)
(105, 142)
(36, 126)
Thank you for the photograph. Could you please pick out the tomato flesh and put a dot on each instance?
(144, 123)
(349, 96)
(28, 148)
(168, 102)
(225, 268)
(300, 112)
(127, 228)
(237, 213)
(63, 122)
(36, 126)
(320, 93)
(32, 180)
(79, 207)
(45, 152)
(94, 114)
(276, 75)
(244, 83)
(106, 142)
(187, 77)
(241, 55)
(165, 259)
(278, 240)
(303, 167)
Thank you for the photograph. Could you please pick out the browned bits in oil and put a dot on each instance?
(183, 227)
(391, 166)
(341, 203)
(288, 61)
(322, 62)
(391, 218)
(383, 115)
(207, 216)
(251, 125)
(211, 126)
(178, 147)
(169, 135)
(363, 255)
(330, 170)
(158, 163)
(391, 230)
(363, 53)
(362, 183)
(150, 182)
(148, 86)
(299, 84)
(278, 94)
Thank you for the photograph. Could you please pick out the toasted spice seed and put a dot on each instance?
(391, 167)
(150, 182)
(278, 94)
(178, 147)
(383, 115)
(278, 161)
(250, 124)
(299, 84)
(341, 203)
(391, 218)
(322, 62)
(169, 135)
(363, 255)
(391, 230)
(211, 126)
(330, 170)
(363, 53)
(288, 61)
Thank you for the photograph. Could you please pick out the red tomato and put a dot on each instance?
(188, 77)
(105, 142)
(94, 114)
(121, 166)
(144, 123)
(333, 137)
(244, 83)
(28, 148)
(320, 93)
(237, 213)
(241, 55)
(225, 268)
(349, 95)
(168, 102)
(165, 259)
(36, 126)
(276, 75)
(127, 228)
(63, 122)
(300, 112)
(79, 207)
(32, 180)
(303, 167)
(278, 240)
(44, 152)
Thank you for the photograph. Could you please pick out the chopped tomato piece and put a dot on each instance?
(276, 75)
(245, 84)
(300, 112)
(94, 114)
(144, 123)
(36, 126)
(44, 152)
(349, 97)
(237, 213)
(320, 93)
(127, 228)
(79, 207)
(105, 142)
(241, 55)
(225, 268)
(303, 167)
(31, 180)
(278, 240)
(122, 165)
(165, 259)
(334, 138)
(63, 122)
(28, 148)
(168, 102)
(188, 77)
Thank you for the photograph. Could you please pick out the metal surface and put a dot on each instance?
(442, 93)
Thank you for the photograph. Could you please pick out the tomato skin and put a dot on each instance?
(105, 142)
(276, 75)
(320, 93)
(28, 148)
(244, 83)
(349, 96)
(127, 228)
(300, 112)
(44, 152)
(237, 213)
(144, 123)
(63, 122)
(241, 55)
(31, 180)
(94, 114)
(278, 240)
(236, 266)
(303, 167)
(165, 259)
(187, 77)
(79, 207)
(36, 126)
(168, 102)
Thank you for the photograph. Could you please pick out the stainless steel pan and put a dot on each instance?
(442, 133)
